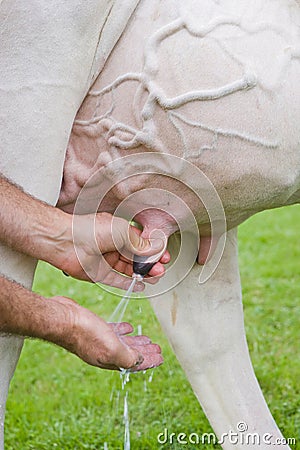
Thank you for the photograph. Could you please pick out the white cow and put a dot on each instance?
(215, 84)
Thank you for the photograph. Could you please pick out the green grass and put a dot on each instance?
(58, 402)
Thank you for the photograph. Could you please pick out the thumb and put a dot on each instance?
(130, 358)
(144, 246)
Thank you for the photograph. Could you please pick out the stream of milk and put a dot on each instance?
(119, 312)
(125, 374)
(117, 316)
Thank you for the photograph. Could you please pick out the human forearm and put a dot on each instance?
(31, 226)
(25, 313)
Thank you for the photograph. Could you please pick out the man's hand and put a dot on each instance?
(106, 345)
(103, 244)
(62, 321)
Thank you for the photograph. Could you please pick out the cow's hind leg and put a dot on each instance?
(204, 324)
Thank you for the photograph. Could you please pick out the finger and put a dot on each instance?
(166, 258)
(119, 354)
(115, 279)
(151, 280)
(121, 328)
(129, 357)
(121, 266)
(112, 258)
(158, 270)
(150, 361)
(142, 246)
(119, 263)
(135, 340)
(136, 361)
(124, 267)
(148, 349)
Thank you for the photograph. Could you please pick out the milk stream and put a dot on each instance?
(126, 424)
(119, 312)
(117, 316)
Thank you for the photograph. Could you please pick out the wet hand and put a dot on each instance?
(105, 345)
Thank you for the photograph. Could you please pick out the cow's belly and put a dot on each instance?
(216, 83)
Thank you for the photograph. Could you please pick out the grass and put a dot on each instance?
(58, 402)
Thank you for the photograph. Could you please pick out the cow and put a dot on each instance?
(181, 114)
